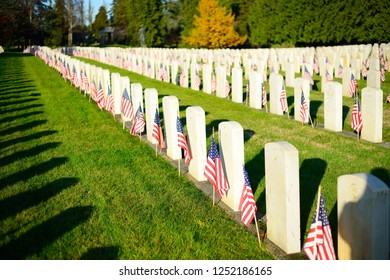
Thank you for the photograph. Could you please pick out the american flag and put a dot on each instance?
(127, 105)
(67, 71)
(247, 203)
(388, 98)
(182, 78)
(264, 99)
(352, 85)
(86, 82)
(138, 123)
(227, 87)
(63, 69)
(364, 69)
(93, 90)
(213, 83)
(73, 78)
(328, 77)
(283, 99)
(315, 65)
(157, 131)
(110, 101)
(307, 75)
(340, 72)
(213, 170)
(303, 109)
(356, 122)
(247, 88)
(383, 76)
(100, 97)
(387, 64)
(165, 74)
(182, 141)
(196, 80)
(149, 70)
(319, 243)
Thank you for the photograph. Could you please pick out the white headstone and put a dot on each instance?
(372, 114)
(137, 96)
(333, 106)
(170, 111)
(231, 146)
(290, 74)
(116, 92)
(237, 84)
(347, 72)
(151, 104)
(282, 196)
(221, 81)
(174, 71)
(207, 70)
(275, 82)
(196, 127)
(363, 217)
(255, 89)
(373, 78)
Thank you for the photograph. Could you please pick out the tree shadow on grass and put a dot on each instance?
(345, 114)
(311, 173)
(213, 125)
(10, 206)
(25, 108)
(30, 172)
(21, 116)
(27, 138)
(101, 253)
(256, 171)
(314, 106)
(382, 174)
(17, 102)
(22, 127)
(34, 240)
(28, 153)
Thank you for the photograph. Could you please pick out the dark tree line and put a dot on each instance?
(164, 23)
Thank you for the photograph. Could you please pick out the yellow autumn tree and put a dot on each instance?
(213, 27)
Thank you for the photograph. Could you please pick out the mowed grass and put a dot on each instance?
(75, 185)
(323, 155)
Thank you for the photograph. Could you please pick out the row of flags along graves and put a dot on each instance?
(318, 245)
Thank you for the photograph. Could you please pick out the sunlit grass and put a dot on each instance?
(75, 185)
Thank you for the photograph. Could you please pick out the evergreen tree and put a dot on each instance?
(213, 27)
(188, 9)
(59, 31)
(172, 22)
(120, 21)
(145, 28)
(101, 20)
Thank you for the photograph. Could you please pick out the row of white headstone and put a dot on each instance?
(362, 203)
(372, 95)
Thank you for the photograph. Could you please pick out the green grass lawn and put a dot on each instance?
(75, 185)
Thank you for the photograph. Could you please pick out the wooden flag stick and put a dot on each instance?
(156, 149)
(357, 135)
(178, 164)
(257, 228)
(266, 108)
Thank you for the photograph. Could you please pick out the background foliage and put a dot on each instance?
(164, 23)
